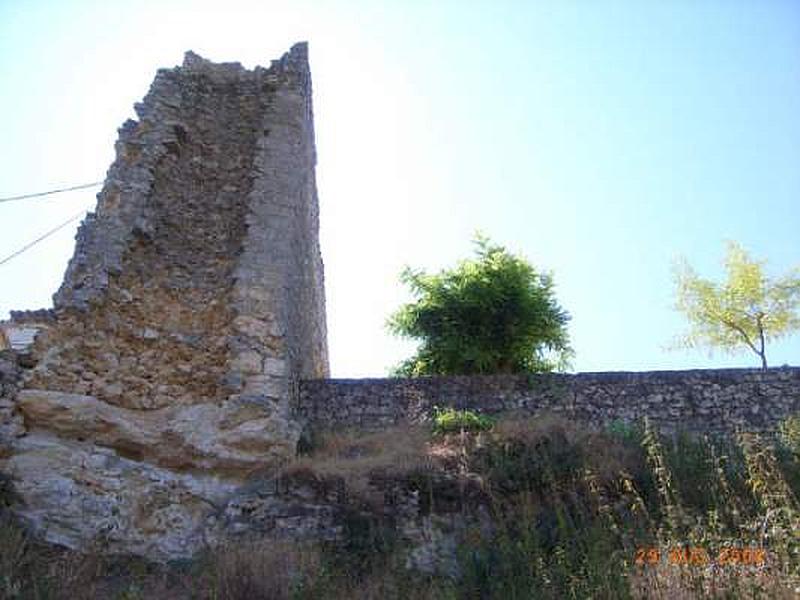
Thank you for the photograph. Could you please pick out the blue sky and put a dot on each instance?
(599, 139)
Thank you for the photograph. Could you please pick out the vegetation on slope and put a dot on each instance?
(550, 509)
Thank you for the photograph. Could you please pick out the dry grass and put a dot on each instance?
(357, 458)
(388, 585)
(30, 569)
(578, 484)
(668, 582)
(605, 455)
(272, 569)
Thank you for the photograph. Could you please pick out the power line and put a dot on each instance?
(36, 195)
(43, 237)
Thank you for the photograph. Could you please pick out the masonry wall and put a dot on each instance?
(10, 421)
(198, 277)
(700, 400)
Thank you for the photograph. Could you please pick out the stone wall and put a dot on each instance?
(207, 225)
(194, 301)
(701, 400)
(10, 420)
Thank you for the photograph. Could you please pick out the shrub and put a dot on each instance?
(494, 313)
(626, 431)
(789, 433)
(451, 420)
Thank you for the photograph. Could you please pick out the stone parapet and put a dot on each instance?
(698, 400)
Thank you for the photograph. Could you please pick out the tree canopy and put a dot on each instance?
(744, 312)
(494, 313)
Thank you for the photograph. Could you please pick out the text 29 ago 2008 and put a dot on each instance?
(698, 556)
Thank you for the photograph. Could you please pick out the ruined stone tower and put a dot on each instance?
(192, 305)
(199, 276)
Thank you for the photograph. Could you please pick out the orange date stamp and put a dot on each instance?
(700, 557)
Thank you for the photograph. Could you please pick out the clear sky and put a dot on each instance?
(599, 139)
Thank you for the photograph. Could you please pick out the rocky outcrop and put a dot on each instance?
(228, 439)
(75, 492)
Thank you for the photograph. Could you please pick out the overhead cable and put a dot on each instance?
(38, 194)
(43, 237)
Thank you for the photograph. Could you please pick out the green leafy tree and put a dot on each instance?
(745, 312)
(494, 313)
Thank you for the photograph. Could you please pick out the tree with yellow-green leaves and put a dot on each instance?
(744, 312)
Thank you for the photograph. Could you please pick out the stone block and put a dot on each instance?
(275, 367)
(255, 328)
(248, 363)
(264, 385)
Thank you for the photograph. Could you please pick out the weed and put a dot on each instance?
(450, 420)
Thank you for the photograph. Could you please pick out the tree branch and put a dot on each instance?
(762, 354)
(739, 330)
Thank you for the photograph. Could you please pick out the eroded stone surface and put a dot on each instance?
(231, 438)
(76, 491)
